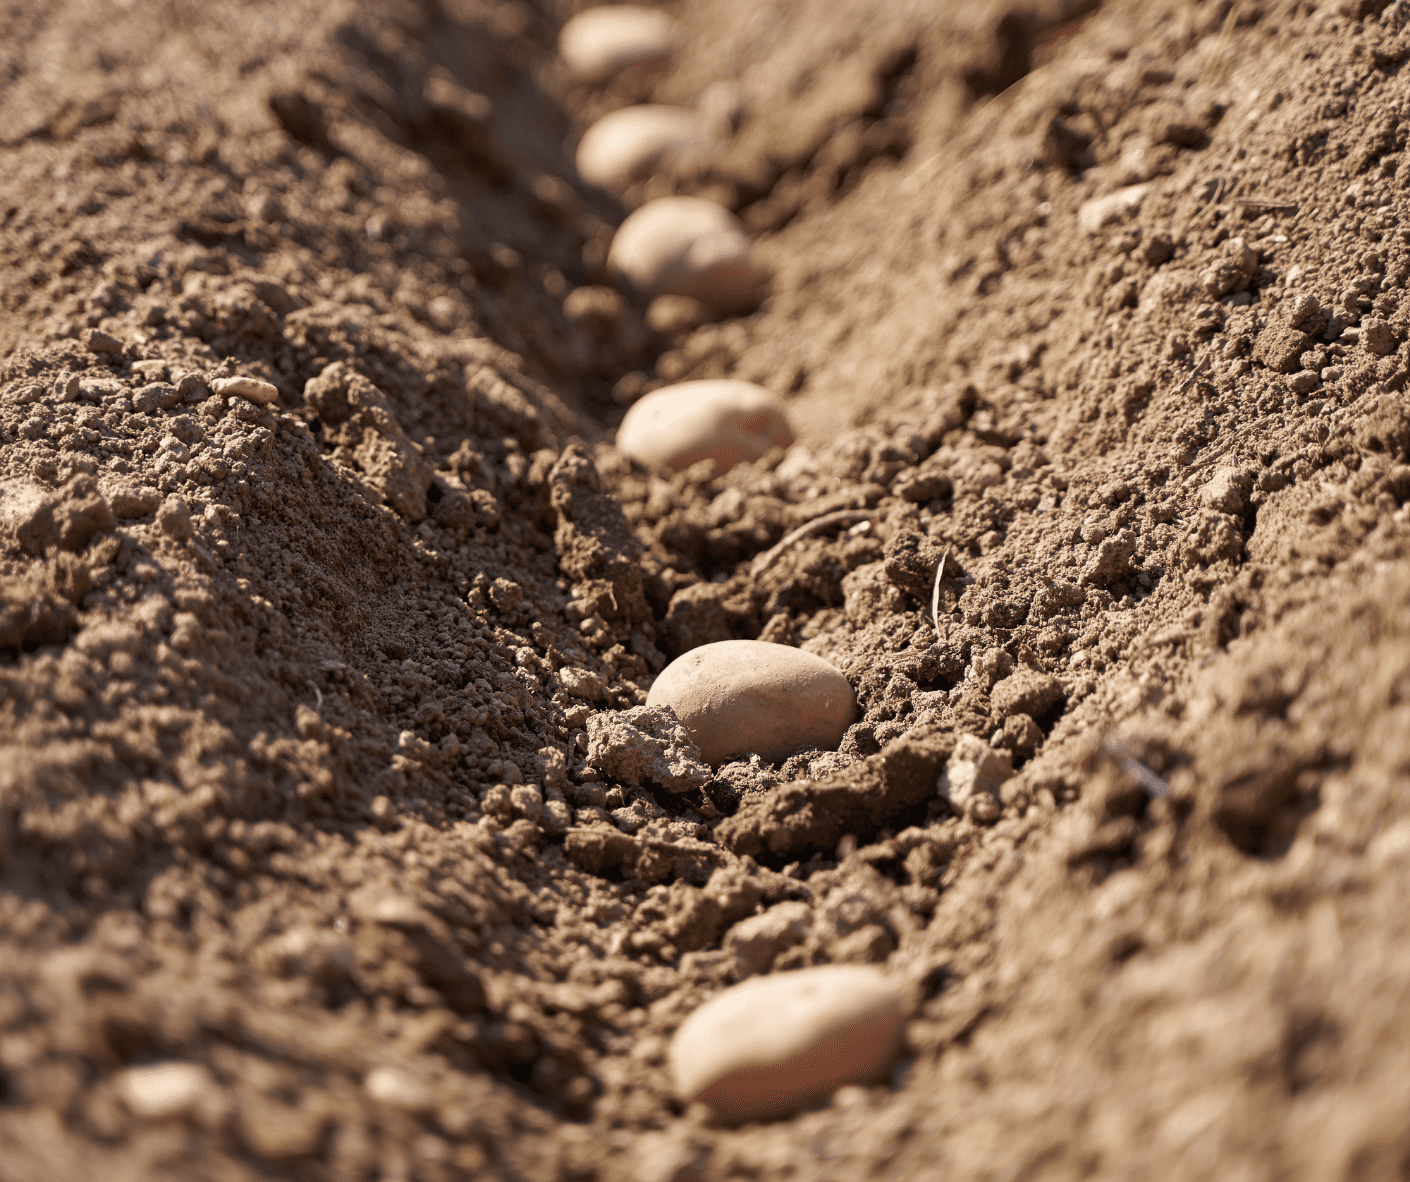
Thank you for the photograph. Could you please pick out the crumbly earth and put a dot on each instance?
(1098, 312)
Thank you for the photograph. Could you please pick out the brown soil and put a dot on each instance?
(295, 782)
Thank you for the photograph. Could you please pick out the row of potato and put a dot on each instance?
(765, 1047)
(674, 247)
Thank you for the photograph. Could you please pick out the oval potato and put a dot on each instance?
(771, 1045)
(686, 246)
(728, 421)
(598, 44)
(749, 697)
(626, 145)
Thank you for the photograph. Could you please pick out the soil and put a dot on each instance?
(296, 783)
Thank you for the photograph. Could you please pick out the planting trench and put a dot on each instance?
(297, 791)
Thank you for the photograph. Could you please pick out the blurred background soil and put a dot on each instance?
(1104, 305)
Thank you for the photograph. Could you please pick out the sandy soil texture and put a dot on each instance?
(319, 855)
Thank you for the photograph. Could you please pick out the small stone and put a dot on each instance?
(1099, 212)
(175, 518)
(399, 1089)
(973, 770)
(1026, 691)
(1304, 382)
(670, 314)
(100, 342)
(600, 43)
(749, 697)
(726, 420)
(252, 388)
(686, 246)
(171, 1089)
(772, 1045)
(630, 143)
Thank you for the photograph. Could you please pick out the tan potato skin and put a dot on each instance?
(743, 697)
(600, 43)
(686, 246)
(728, 421)
(773, 1044)
(627, 144)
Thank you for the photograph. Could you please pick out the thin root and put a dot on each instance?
(1190, 381)
(841, 517)
(935, 597)
(1134, 768)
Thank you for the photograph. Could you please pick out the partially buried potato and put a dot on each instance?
(628, 144)
(598, 44)
(749, 697)
(728, 421)
(687, 246)
(772, 1045)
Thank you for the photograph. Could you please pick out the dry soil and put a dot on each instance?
(295, 699)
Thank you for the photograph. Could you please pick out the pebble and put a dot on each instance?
(399, 1089)
(743, 697)
(728, 421)
(1100, 212)
(164, 1090)
(252, 388)
(670, 314)
(772, 1045)
(686, 246)
(600, 43)
(628, 144)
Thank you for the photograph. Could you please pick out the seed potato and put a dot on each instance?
(749, 697)
(771, 1045)
(728, 421)
(600, 43)
(628, 144)
(686, 246)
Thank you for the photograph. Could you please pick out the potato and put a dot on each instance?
(749, 697)
(772, 1045)
(690, 247)
(627, 144)
(600, 43)
(728, 421)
